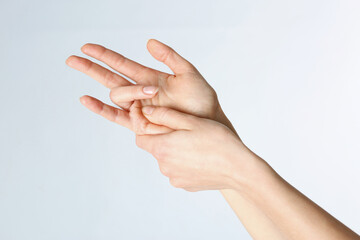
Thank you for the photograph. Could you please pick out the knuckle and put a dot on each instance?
(88, 65)
(120, 62)
(214, 97)
(109, 79)
(164, 171)
(140, 73)
(190, 68)
(175, 182)
(102, 52)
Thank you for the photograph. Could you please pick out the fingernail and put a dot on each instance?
(148, 110)
(150, 89)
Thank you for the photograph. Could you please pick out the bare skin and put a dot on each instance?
(189, 85)
(188, 92)
(205, 155)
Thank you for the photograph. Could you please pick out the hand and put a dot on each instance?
(186, 90)
(200, 154)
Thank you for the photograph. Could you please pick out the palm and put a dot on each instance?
(186, 91)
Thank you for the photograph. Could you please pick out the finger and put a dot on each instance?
(168, 117)
(141, 124)
(118, 62)
(104, 76)
(111, 113)
(168, 56)
(130, 93)
(149, 142)
(153, 129)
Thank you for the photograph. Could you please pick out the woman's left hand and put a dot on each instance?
(200, 154)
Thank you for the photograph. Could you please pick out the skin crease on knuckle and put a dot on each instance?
(120, 62)
(88, 65)
(166, 54)
(110, 79)
(163, 113)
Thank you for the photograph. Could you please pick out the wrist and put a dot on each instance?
(222, 118)
(249, 171)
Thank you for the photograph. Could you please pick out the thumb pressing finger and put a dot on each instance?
(168, 117)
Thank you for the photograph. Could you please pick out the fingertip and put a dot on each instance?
(89, 47)
(69, 61)
(85, 47)
(148, 44)
(84, 99)
(150, 40)
(153, 44)
(91, 103)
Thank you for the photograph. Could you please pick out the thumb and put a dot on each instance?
(167, 55)
(168, 117)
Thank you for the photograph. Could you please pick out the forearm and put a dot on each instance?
(270, 208)
(294, 215)
(257, 224)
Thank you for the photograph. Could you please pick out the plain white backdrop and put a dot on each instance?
(287, 74)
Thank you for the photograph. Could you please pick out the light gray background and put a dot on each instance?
(287, 74)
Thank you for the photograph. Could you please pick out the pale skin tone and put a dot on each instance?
(178, 119)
